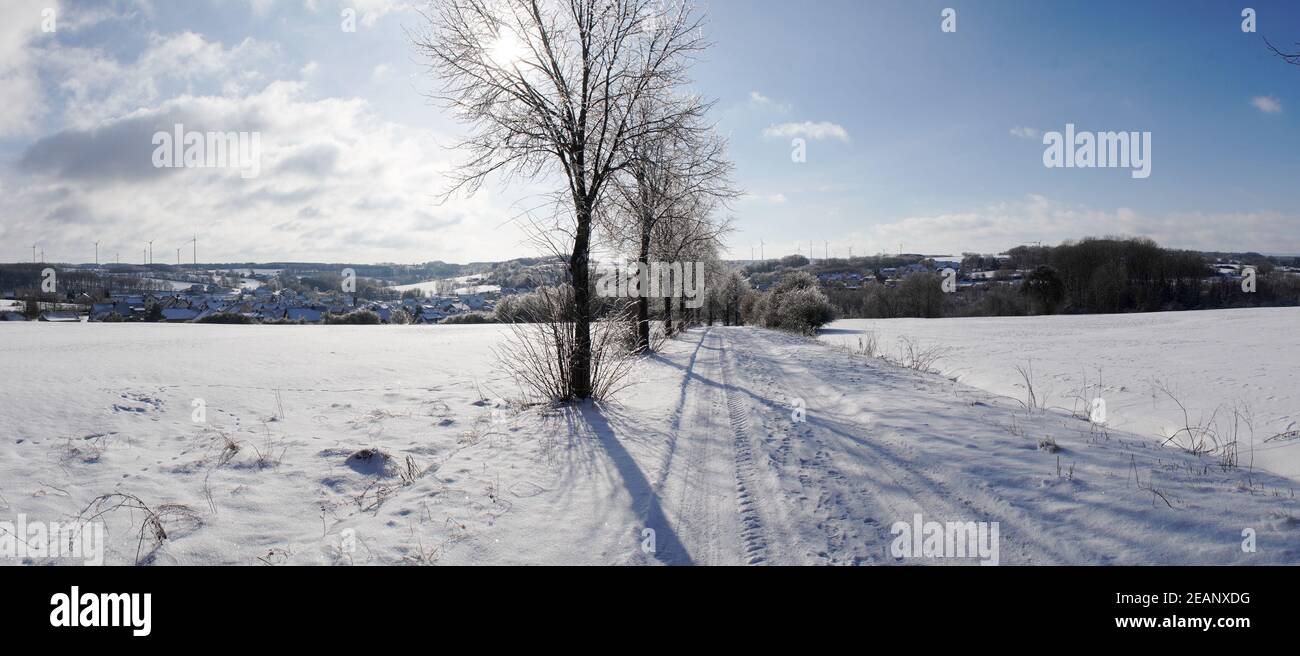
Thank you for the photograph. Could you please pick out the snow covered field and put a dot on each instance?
(426, 287)
(468, 284)
(1212, 362)
(172, 285)
(382, 444)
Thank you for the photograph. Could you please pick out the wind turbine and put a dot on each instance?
(178, 257)
(96, 253)
(33, 253)
(150, 251)
(761, 255)
(195, 241)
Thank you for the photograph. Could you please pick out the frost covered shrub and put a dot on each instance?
(510, 308)
(468, 318)
(795, 281)
(359, 317)
(220, 317)
(794, 304)
(541, 350)
(748, 302)
(804, 311)
(522, 308)
(763, 311)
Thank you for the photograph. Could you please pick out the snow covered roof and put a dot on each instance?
(179, 314)
(303, 314)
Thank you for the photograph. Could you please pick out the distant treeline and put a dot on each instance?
(519, 272)
(1089, 276)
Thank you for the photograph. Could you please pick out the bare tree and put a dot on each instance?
(727, 292)
(552, 87)
(671, 176)
(1288, 57)
(693, 233)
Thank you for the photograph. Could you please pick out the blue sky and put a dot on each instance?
(916, 138)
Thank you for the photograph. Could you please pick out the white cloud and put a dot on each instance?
(94, 87)
(369, 11)
(85, 14)
(1026, 132)
(761, 103)
(337, 183)
(1036, 218)
(20, 26)
(380, 72)
(807, 129)
(372, 10)
(1267, 104)
(766, 199)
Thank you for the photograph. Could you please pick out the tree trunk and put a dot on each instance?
(580, 273)
(643, 295)
(668, 315)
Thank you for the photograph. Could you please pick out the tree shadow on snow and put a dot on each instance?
(593, 421)
(839, 331)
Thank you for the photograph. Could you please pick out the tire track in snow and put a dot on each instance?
(697, 473)
(695, 480)
(753, 533)
(832, 516)
(900, 486)
(675, 424)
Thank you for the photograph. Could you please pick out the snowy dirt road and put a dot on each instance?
(876, 444)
